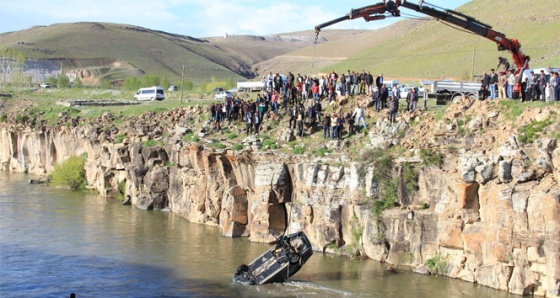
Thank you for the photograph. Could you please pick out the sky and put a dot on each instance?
(200, 18)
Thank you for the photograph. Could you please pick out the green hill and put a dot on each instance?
(413, 49)
(408, 50)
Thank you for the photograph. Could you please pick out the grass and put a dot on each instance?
(529, 133)
(298, 150)
(119, 138)
(218, 145)
(190, 137)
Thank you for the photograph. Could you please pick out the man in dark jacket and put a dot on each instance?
(379, 81)
(369, 83)
(412, 99)
(493, 83)
(485, 81)
(541, 81)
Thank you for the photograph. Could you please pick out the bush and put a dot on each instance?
(190, 137)
(119, 138)
(431, 158)
(231, 136)
(70, 173)
(529, 133)
(237, 147)
(269, 143)
(150, 143)
(436, 265)
(321, 151)
(218, 145)
(299, 150)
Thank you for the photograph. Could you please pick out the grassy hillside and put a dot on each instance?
(409, 49)
(413, 49)
(116, 50)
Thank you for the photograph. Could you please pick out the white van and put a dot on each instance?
(150, 93)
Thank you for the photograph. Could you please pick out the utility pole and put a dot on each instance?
(182, 82)
(473, 56)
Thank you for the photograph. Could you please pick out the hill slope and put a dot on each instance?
(114, 51)
(408, 50)
(429, 49)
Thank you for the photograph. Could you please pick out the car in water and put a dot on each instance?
(278, 263)
(223, 95)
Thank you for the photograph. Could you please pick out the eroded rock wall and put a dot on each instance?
(489, 217)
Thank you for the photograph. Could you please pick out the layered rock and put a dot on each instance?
(490, 217)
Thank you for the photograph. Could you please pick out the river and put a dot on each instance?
(55, 242)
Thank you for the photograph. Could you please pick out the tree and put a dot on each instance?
(150, 80)
(131, 83)
(63, 81)
(77, 82)
(52, 81)
(164, 82)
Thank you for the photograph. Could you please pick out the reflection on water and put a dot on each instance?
(55, 242)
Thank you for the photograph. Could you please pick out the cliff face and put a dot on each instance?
(490, 217)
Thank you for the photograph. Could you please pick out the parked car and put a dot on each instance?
(406, 89)
(223, 95)
(45, 85)
(173, 88)
(218, 89)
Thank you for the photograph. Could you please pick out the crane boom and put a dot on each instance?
(379, 10)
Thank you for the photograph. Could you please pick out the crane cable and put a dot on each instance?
(314, 46)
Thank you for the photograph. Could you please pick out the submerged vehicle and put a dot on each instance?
(278, 263)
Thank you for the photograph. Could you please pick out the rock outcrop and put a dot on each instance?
(490, 216)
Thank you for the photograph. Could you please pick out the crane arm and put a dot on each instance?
(475, 26)
(369, 13)
(378, 12)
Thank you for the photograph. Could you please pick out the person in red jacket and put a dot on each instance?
(315, 92)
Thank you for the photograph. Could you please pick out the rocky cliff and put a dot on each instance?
(489, 213)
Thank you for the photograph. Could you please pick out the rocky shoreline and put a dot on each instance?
(489, 214)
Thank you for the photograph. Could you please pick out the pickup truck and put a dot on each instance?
(446, 91)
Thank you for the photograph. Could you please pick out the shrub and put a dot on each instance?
(431, 158)
(190, 137)
(387, 197)
(119, 138)
(231, 136)
(71, 173)
(122, 189)
(410, 176)
(218, 145)
(299, 150)
(436, 265)
(22, 118)
(150, 143)
(529, 133)
(237, 147)
(271, 144)
(321, 151)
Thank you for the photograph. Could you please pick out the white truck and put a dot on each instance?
(244, 86)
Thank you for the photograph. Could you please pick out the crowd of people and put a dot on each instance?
(300, 99)
(537, 86)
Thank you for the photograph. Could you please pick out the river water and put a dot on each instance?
(54, 242)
